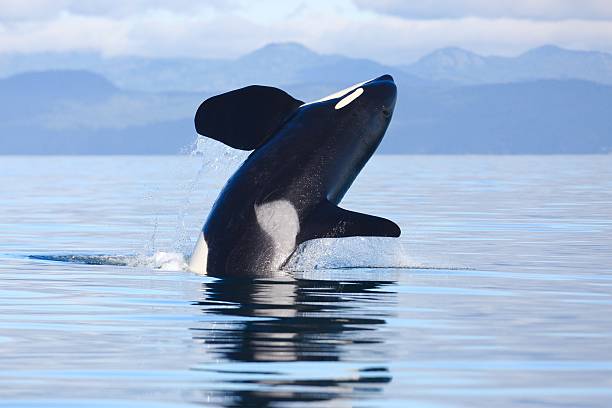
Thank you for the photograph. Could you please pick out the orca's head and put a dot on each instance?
(350, 125)
(366, 108)
(379, 93)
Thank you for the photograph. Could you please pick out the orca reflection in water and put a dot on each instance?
(249, 322)
(287, 191)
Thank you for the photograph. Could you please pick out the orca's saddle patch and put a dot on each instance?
(247, 117)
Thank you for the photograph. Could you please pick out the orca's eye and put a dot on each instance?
(349, 98)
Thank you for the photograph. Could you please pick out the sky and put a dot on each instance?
(389, 31)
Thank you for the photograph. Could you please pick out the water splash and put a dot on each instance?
(218, 162)
(353, 252)
(365, 253)
(168, 261)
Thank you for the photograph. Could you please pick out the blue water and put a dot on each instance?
(498, 293)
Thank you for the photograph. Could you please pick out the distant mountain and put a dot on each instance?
(547, 62)
(58, 84)
(551, 62)
(27, 96)
(293, 65)
(282, 64)
(454, 64)
(74, 111)
(77, 111)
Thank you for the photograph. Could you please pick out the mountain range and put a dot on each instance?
(547, 62)
(547, 100)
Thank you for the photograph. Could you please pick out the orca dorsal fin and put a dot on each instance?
(330, 221)
(245, 118)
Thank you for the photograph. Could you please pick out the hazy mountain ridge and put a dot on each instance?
(274, 64)
(77, 111)
(547, 62)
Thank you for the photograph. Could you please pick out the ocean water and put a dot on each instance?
(498, 293)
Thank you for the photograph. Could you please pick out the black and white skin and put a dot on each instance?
(305, 157)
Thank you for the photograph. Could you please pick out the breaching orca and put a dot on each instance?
(306, 156)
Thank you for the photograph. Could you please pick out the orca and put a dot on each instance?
(305, 157)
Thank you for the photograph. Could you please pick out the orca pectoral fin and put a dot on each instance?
(331, 221)
(245, 118)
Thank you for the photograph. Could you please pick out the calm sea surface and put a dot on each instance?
(498, 293)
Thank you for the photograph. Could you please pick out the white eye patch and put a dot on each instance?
(339, 93)
(349, 98)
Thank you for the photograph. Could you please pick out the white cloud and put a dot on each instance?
(519, 9)
(337, 28)
(399, 40)
(154, 32)
(45, 9)
(65, 33)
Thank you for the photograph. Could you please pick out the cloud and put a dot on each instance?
(156, 32)
(216, 32)
(45, 9)
(397, 40)
(517, 9)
